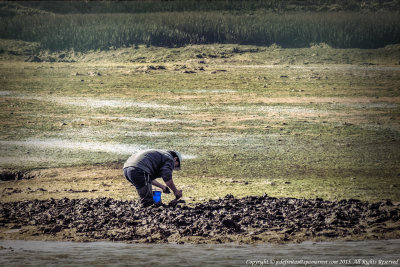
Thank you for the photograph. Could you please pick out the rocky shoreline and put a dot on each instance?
(252, 219)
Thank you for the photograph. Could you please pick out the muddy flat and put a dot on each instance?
(246, 220)
(316, 129)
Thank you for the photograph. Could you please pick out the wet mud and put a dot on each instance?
(246, 220)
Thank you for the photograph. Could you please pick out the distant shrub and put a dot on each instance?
(299, 29)
(151, 6)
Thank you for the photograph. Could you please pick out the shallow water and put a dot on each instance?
(48, 253)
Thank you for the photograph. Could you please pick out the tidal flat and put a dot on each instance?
(303, 123)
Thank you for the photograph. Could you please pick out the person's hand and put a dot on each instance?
(178, 194)
(166, 190)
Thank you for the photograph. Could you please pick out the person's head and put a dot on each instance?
(177, 159)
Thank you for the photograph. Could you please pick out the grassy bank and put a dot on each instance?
(314, 122)
(171, 29)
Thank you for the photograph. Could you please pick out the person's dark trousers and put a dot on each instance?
(141, 181)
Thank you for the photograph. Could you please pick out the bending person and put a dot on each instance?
(142, 168)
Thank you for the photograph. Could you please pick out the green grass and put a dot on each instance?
(308, 129)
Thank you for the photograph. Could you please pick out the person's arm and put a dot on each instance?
(155, 183)
(171, 185)
(166, 174)
(164, 188)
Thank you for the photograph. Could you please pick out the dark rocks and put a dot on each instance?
(8, 175)
(109, 219)
(34, 59)
(189, 71)
(37, 59)
(230, 224)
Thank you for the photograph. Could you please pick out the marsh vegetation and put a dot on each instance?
(90, 26)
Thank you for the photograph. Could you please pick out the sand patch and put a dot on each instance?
(75, 145)
(333, 100)
(273, 109)
(123, 149)
(100, 103)
(5, 93)
(212, 91)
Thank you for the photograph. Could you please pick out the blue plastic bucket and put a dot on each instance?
(157, 196)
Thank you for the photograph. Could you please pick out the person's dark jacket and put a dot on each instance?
(157, 163)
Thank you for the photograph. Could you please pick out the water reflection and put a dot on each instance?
(47, 253)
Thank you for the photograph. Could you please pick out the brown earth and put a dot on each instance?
(246, 220)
